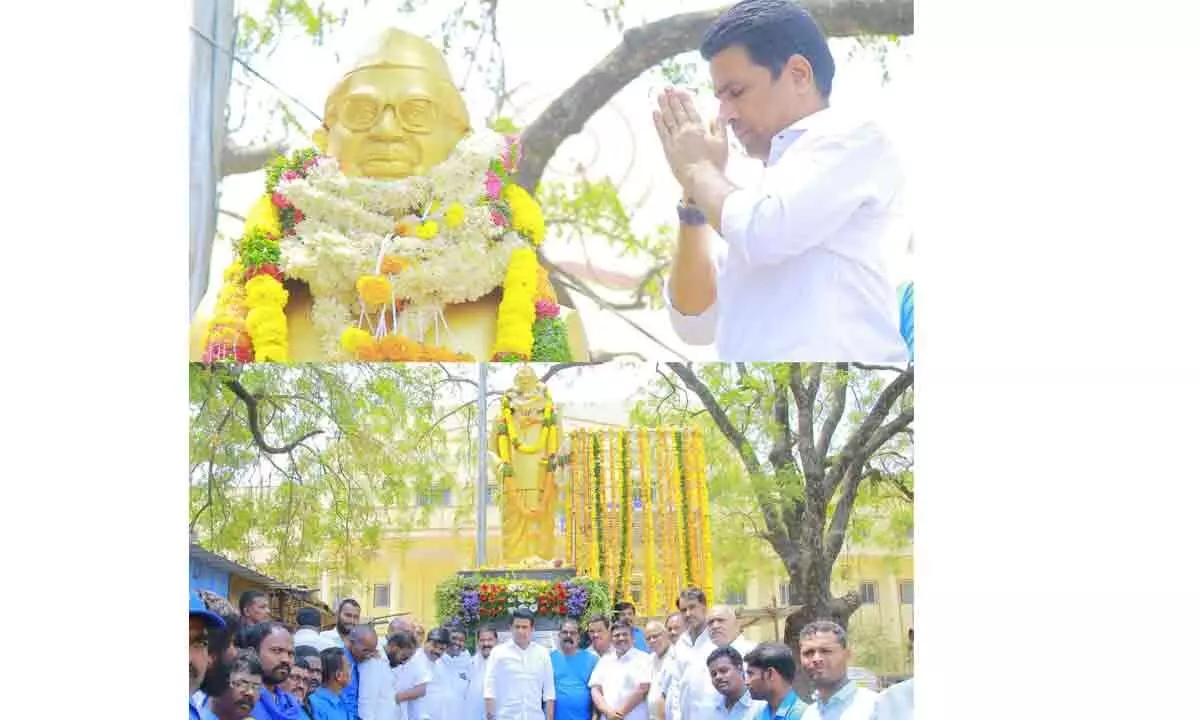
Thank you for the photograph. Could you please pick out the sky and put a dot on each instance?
(619, 141)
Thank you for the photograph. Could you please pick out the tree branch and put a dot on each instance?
(834, 416)
(853, 451)
(641, 48)
(252, 420)
(239, 160)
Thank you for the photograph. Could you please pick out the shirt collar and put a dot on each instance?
(790, 134)
(743, 701)
(784, 708)
(844, 694)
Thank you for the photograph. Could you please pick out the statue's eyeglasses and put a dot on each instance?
(415, 115)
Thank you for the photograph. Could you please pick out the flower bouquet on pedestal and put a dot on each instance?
(470, 601)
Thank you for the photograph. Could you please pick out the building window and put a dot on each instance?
(383, 596)
(735, 595)
(906, 592)
(785, 594)
(866, 592)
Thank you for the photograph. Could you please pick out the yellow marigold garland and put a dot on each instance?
(649, 572)
(701, 474)
(514, 325)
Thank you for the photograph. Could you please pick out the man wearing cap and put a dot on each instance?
(200, 621)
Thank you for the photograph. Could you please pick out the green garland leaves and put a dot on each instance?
(550, 342)
(685, 510)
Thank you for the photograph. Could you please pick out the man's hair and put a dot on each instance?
(308, 617)
(487, 629)
(772, 31)
(691, 593)
(247, 599)
(522, 614)
(306, 651)
(728, 651)
(624, 605)
(360, 632)
(622, 625)
(348, 601)
(773, 656)
(331, 662)
(600, 619)
(675, 614)
(216, 680)
(438, 635)
(457, 631)
(824, 626)
(403, 639)
(255, 634)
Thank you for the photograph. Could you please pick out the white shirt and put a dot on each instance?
(417, 671)
(475, 709)
(309, 637)
(458, 674)
(696, 692)
(619, 676)
(376, 699)
(519, 681)
(895, 703)
(803, 261)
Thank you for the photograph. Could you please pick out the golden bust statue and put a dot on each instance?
(395, 116)
(524, 446)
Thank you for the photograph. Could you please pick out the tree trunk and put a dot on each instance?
(820, 607)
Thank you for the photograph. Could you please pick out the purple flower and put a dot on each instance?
(470, 606)
(577, 600)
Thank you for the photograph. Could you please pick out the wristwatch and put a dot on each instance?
(690, 214)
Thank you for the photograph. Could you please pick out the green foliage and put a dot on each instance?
(550, 342)
(324, 503)
(740, 500)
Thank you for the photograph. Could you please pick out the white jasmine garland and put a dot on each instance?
(350, 223)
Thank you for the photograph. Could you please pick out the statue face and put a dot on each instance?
(526, 378)
(392, 122)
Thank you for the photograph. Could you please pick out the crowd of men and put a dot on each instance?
(696, 666)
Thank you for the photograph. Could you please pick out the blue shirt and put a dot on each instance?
(350, 692)
(790, 709)
(639, 640)
(572, 698)
(837, 703)
(906, 317)
(327, 706)
(193, 713)
(276, 705)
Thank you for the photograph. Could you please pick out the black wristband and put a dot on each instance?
(691, 215)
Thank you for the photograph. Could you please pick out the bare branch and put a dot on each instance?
(239, 160)
(252, 420)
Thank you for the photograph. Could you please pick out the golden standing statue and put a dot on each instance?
(524, 445)
(396, 114)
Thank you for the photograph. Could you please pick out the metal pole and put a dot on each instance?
(481, 493)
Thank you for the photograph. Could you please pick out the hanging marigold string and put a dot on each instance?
(625, 508)
(649, 571)
(601, 571)
(701, 475)
(684, 508)
(671, 581)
